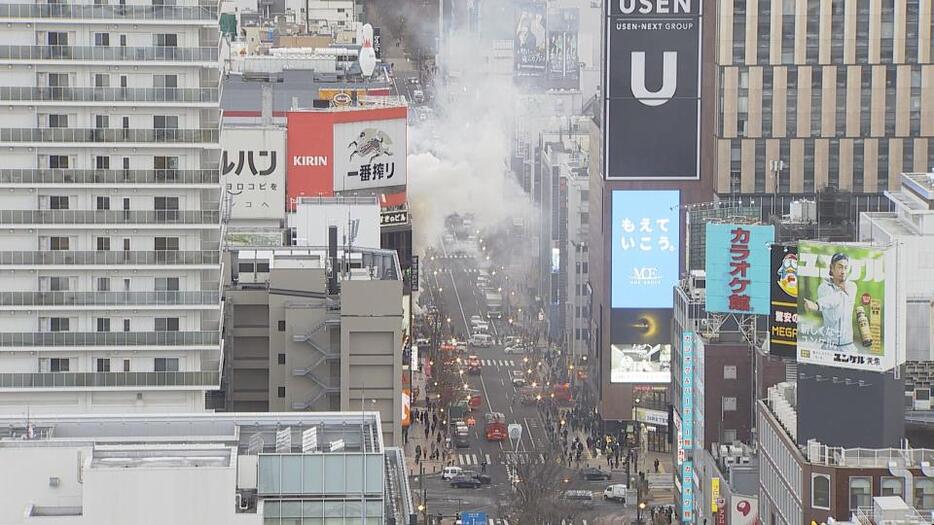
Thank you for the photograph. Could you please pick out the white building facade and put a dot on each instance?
(110, 206)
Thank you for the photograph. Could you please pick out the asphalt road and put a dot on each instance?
(460, 299)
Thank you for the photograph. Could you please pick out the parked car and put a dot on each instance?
(615, 492)
(451, 472)
(595, 474)
(464, 482)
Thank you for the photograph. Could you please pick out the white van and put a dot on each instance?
(451, 472)
(480, 340)
(615, 492)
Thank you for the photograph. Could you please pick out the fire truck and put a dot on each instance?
(495, 429)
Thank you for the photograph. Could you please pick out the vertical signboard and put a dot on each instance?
(846, 310)
(369, 154)
(744, 510)
(530, 40)
(253, 172)
(563, 70)
(686, 443)
(738, 268)
(653, 77)
(783, 316)
(310, 150)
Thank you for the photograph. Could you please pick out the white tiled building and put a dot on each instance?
(109, 206)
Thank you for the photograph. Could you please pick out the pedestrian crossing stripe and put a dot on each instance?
(500, 363)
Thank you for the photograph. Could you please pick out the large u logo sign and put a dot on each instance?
(669, 79)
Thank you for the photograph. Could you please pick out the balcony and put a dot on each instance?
(104, 53)
(108, 379)
(108, 298)
(109, 94)
(76, 176)
(154, 257)
(52, 339)
(129, 13)
(59, 217)
(110, 135)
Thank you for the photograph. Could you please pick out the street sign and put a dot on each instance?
(515, 431)
(473, 518)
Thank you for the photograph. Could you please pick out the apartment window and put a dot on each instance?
(165, 40)
(166, 208)
(860, 492)
(58, 284)
(166, 243)
(862, 31)
(126, 365)
(887, 47)
(767, 95)
(103, 244)
(58, 243)
(166, 364)
(246, 267)
(103, 364)
(791, 105)
(882, 157)
(58, 162)
(166, 284)
(788, 32)
(103, 284)
(59, 324)
(166, 324)
(281, 392)
(923, 493)
(262, 267)
(729, 372)
(739, 31)
(57, 38)
(58, 202)
(282, 326)
(908, 155)
(58, 121)
(165, 81)
(760, 166)
(58, 80)
(103, 203)
(763, 34)
(890, 486)
(103, 324)
(833, 163)
(812, 34)
(820, 491)
(817, 74)
(281, 359)
(858, 165)
(102, 162)
(164, 163)
(126, 325)
(101, 80)
(101, 121)
(912, 11)
(729, 404)
(59, 364)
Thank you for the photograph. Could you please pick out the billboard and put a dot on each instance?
(530, 40)
(686, 441)
(640, 363)
(653, 77)
(738, 268)
(744, 510)
(645, 326)
(309, 143)
(783, 316)
(645, 254)
(369, 154)
(563, 70)
(846, 313)
(253, 171)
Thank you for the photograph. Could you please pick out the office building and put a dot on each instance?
(822, 93)
(315, 329)
(249, 469)
(110, 209)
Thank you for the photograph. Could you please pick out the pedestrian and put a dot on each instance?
(656, 465)
(427, 431)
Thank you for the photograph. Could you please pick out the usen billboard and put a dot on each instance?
(253, 171)
(847, 306)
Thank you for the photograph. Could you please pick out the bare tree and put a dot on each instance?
(537, 494)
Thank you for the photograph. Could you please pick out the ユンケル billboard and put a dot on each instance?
(369, 154)
(640, 363)
(253, 171)
(738, 268)
(645, 254)
(653, 96)
(563, 70)
(783, 316)
(531, 40)
(310, 150)
(846, 306)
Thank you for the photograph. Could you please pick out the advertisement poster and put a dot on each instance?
(640, 363)
(369, 154)
(844, 306)
(253, 172)
(738, 268)
(744, 510)
(309, 143)
(645, 254)
(653, 71)
(530, 40)
(646, 326)
(783, 316)
(563, 62)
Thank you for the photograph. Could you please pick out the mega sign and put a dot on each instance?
(645, 248)
(653, 73)
(738, 268)
(783, 316)
(253, 172)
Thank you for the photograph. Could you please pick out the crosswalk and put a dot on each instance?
(498, 362)
(523, 458)
(468, 460)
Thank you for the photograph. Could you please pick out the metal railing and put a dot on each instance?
(108, 12)
(108, 379)
(109, 257)
(109, 217)
(79, 176)
(108, 338)
(114, 135)
(107, 298)
(108, 94)
(135, 54)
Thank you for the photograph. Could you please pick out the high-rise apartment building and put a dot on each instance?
(110, 206)
(818, 93)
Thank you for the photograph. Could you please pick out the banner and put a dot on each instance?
(253, 167)
(845, 310)
(783, 316)
(369, 154)
(738, 268)
(563, 70)
(530, 40)
(309, 142)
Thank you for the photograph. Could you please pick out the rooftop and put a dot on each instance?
(298, 86)
(365, 263)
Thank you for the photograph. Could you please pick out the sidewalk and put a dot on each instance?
(417, 434)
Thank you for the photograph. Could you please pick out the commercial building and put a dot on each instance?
(201, 469)
(313, 328)
(821, 94)
(111, 209)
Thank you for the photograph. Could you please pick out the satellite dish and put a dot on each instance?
(367, 57)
